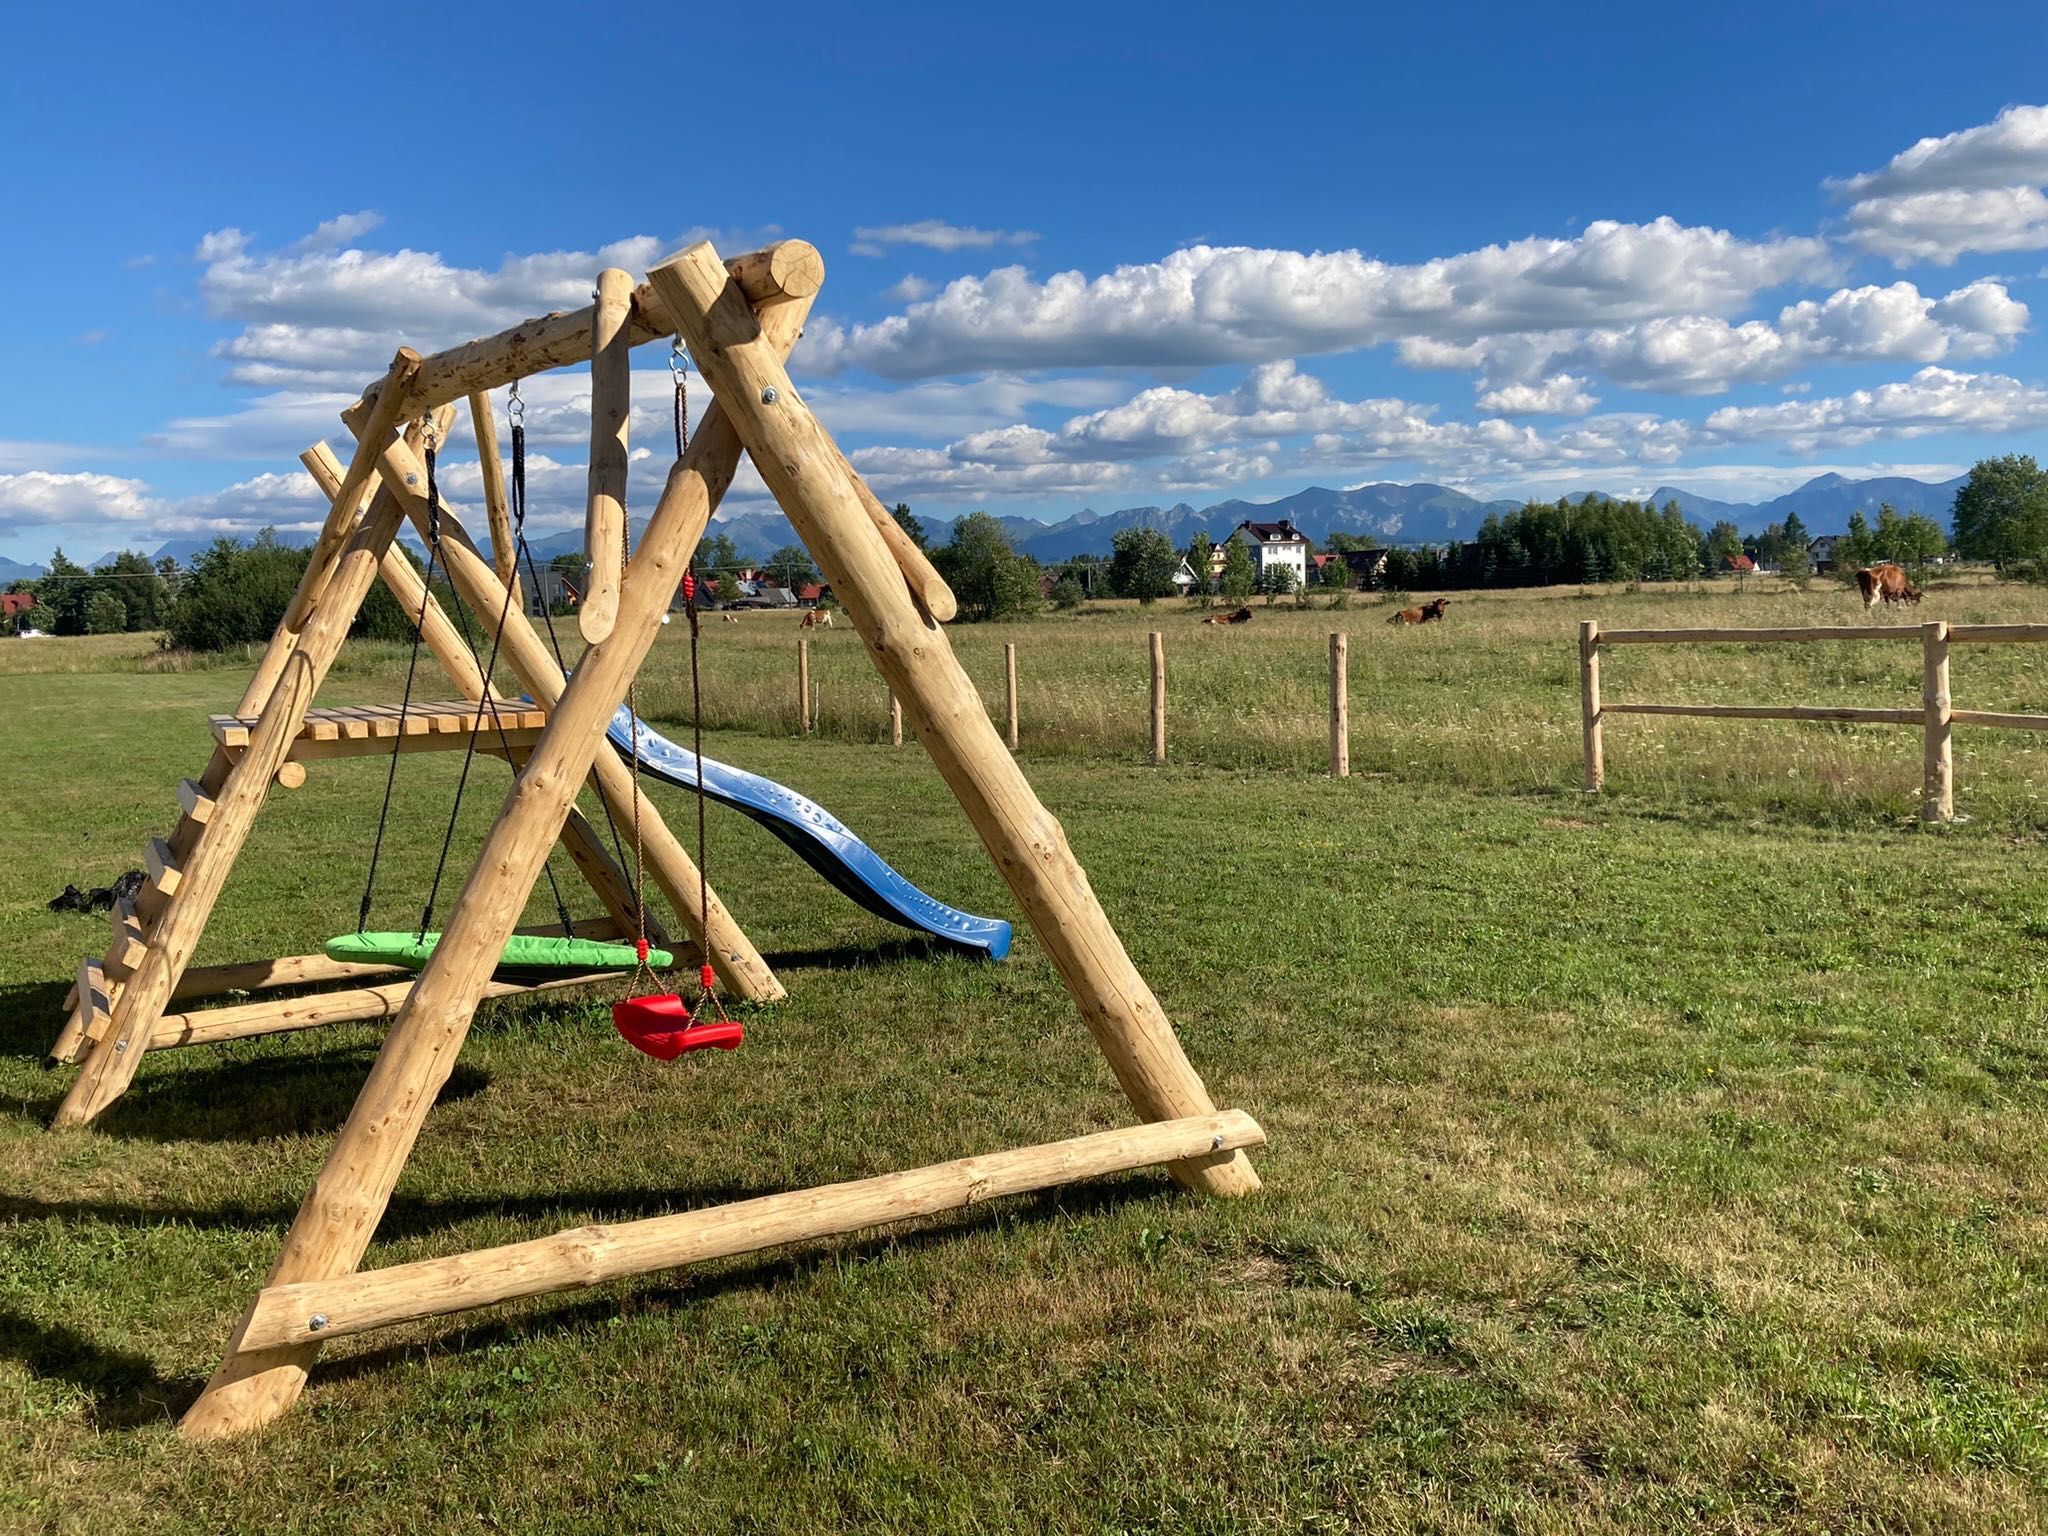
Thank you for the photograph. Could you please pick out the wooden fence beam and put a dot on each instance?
(1937, 798)
(1158, 647)
(611, 407)
(1340, 706)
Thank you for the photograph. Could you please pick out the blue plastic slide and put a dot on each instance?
(817, 837)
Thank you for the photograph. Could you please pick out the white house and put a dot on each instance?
(1276, 544)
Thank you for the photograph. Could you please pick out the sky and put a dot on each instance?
(1076, 256)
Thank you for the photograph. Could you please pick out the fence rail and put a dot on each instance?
(1937, 717)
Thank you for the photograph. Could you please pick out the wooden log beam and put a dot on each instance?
(1798, 635)
(802, 466)
(1998, 634)
(1937, 761)
(315, 1311)
(611, 406)
(789, 271)
(1845, 713)
(922, 577)
(738, 963)
(272, 1016)
(2000, 718)
(253, 1386)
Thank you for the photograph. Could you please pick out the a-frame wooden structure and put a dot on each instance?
(740, 319)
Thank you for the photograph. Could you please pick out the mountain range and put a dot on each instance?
(1394, 514)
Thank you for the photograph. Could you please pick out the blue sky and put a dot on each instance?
(1076, 256)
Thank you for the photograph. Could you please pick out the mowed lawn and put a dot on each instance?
(1671, 1160)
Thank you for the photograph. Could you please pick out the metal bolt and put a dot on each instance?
(120, 1046)
(1216, 1142)
(412, 479)
(768, 395)
(316, 1322)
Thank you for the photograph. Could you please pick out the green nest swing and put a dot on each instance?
(523, 952)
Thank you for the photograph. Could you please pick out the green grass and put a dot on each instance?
(1666, 1161)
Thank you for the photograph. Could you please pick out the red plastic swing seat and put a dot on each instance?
(663, 1027)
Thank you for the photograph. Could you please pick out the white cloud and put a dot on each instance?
(1562, 394)
(935, 235)
(1206, 304)
(345, 229)
(1934, 400)
(1976, 190)
(38, 496)
(1703, 354)
(908, 289)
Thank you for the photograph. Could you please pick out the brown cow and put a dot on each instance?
(1242, 616)
(817, 618)
(1433, 609)
(1886, 583)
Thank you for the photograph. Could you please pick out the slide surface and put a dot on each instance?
(817, 837)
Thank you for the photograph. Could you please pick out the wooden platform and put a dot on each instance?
(372, 729)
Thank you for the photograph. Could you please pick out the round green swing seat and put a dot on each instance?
(523, 952)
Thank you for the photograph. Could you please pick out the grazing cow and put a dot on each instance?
(1433, 609)
(730, 618)
(817, 618)
(1242, 616)
(1885, 583)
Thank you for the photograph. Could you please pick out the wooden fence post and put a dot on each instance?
(895, 719)
(1937, 798)
(803, 684)
(1589, 703)
(1010, 689)
(1158, 697)
(1340, 708)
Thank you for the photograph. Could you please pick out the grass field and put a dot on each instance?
(1666, 1161)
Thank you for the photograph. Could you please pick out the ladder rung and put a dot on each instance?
(195, 801)
(94, 1004)
(164, 873)
(128, 948)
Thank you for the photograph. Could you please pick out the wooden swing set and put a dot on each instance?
(736, 321)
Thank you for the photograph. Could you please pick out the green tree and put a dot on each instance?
(790, 567)
(1856, 548)
(1796, 565)
(105, 614)
(1920, 539)
(2001, 512)
(1197, 557)
(1277, 580)
(135, 580)
(909, 523)
(989, 579)
(61, 595)
(1240, 577)
(1795, 531)
(1066, 592)
(1724, 543)
(1141, 564)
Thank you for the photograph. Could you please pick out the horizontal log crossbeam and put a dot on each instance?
(314, 1311)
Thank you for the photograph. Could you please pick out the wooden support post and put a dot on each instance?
(739, 965)
(1340, 707)
(801, 465)
(253, 1386)
(803, 685)
(1937, 797)
(923, 579)
(1158, 697)
(611, 404)
(1010, 695)
(483, 422)
(1589, 705)
(895, 719)
(288, 1316)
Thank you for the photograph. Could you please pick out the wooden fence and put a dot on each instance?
(1340, 704)
(1937, 717)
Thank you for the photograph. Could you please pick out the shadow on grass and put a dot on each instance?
(296, 1095)
(127, 1390)
(31, 1014)
(855, 957)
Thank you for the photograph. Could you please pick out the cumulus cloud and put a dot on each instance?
(1934, 400)
(1704, 354)
(935, 235)
(1207, 304)
(1977, 190)
(1562, 394)
(908, 289)
(339, 231)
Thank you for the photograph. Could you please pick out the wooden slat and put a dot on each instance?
(1769, 711)
(1999, 634)
(87, 1020)
(316, 1310)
